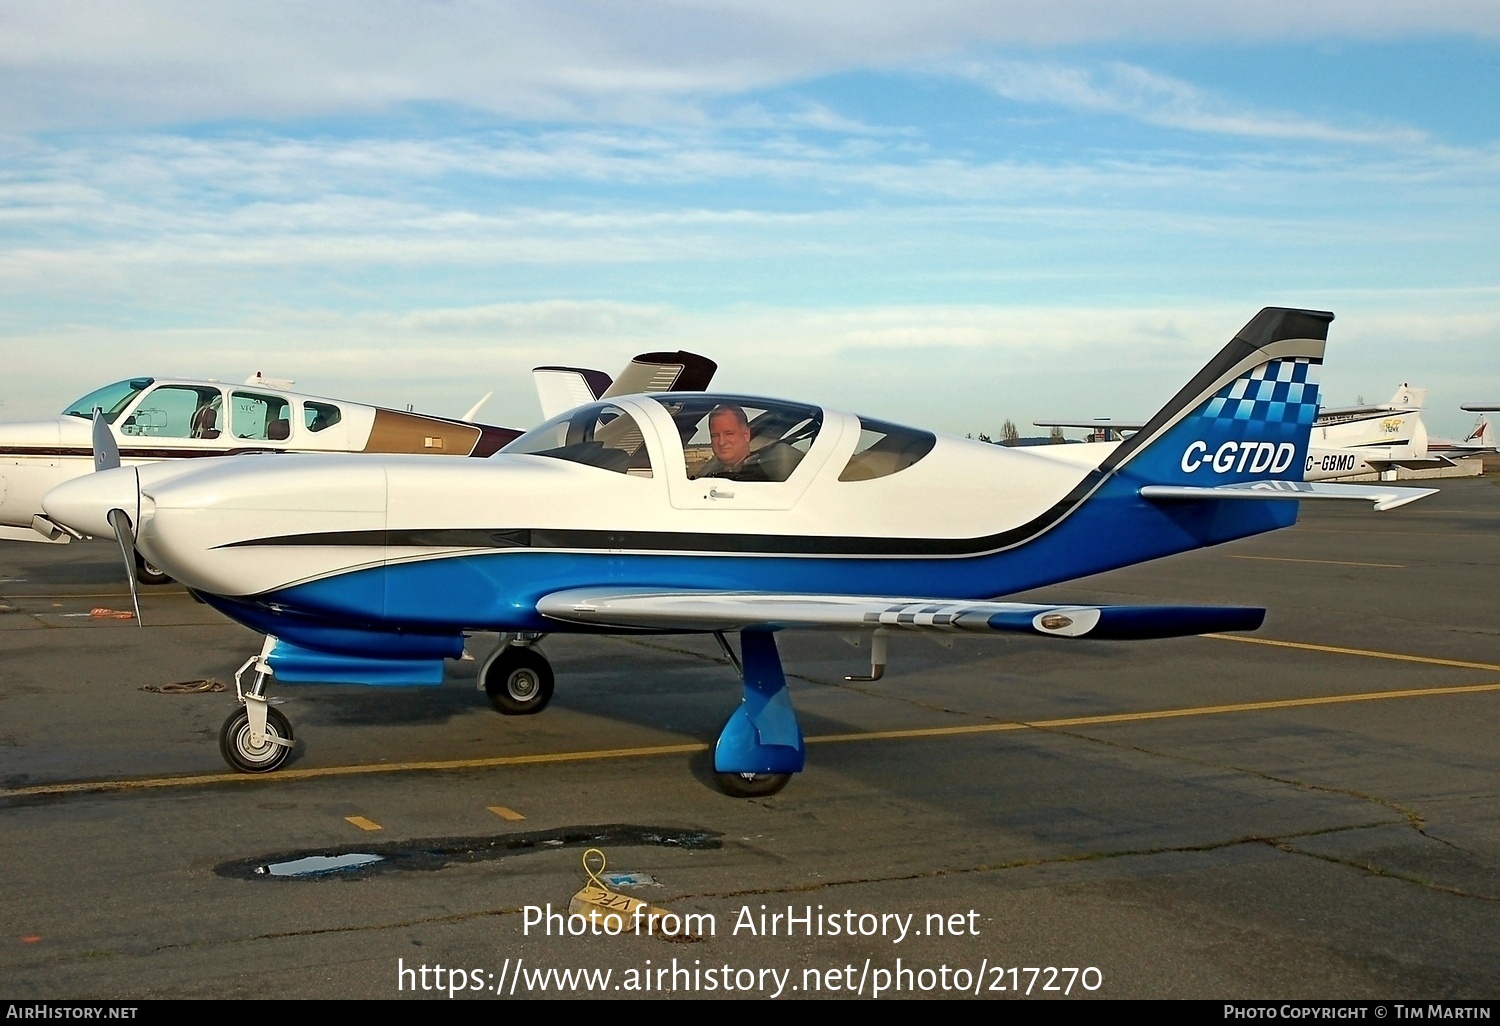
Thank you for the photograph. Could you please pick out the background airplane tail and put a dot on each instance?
(1483, 435)
(1408, 398)
(1246, 416)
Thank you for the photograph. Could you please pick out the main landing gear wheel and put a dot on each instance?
(148, 574)
(235, 746)
(752, 785)
(518, 680)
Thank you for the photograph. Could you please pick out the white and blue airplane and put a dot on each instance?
(697, 512)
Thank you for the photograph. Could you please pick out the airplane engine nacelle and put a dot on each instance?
(232, 530)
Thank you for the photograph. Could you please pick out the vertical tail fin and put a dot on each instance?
(1246, 416)
(1483, 435)
(1408, 398)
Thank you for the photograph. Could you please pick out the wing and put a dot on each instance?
(1110, 428)
(731, 611)
(1108, 423)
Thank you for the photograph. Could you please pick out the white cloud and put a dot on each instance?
(1139, 93)
(957, 368)
(101, 63)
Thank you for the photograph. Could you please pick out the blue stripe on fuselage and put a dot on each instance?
(499, 590)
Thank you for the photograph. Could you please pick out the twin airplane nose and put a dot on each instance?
(84, 502)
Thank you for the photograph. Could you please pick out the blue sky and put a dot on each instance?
(947, 214)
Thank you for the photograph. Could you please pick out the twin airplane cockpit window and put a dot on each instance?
(261, 418)
(112, 399)
(885, 449)
(723, 437)
(601, 435)
(177, 411)
(197, 411)
(742, 439)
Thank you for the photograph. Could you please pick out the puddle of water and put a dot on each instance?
(433, 853)
(317, 865)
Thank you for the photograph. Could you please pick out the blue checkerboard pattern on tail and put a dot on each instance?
(1278, 392)
(1255, 427)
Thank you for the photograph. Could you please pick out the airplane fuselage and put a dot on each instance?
(371, 544)
(180, 420)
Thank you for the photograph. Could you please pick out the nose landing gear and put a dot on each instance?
(256, 738)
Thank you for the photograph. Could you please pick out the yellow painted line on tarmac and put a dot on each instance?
(1399, 657)
(314, 773)
(289, 775)
(504, 813)
(1159, 714)
(364, 824)
(1329, 562)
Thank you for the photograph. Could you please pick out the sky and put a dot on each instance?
(946, 214)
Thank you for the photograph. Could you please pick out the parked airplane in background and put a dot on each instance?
(1480, 440)
(562, 388)
(691, 512)
(1350, 441)
(1100, 429)
(153, 419)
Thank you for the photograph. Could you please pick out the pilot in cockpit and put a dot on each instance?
(729, 436)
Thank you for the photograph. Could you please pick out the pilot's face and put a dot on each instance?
(730, 439)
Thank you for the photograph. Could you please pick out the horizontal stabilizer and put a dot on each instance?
(1383, 496)
(663, 372)
(1411, 463)
(728, 611)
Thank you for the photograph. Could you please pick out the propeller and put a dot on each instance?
(106, 452)
(107, 457)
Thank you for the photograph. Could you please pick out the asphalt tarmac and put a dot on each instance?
(1310, 811)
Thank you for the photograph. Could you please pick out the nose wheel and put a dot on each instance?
(148, 573)
(240, 749)
(518, 680)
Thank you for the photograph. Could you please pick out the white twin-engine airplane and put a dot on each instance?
(176, 419)
(1355, 440)
(693, 512)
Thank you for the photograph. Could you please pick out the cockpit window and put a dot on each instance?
(740, 438)
(177, 411)
(112, 399)
(261, 418)
(601, 435)
(885, 449)
(320, 416)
